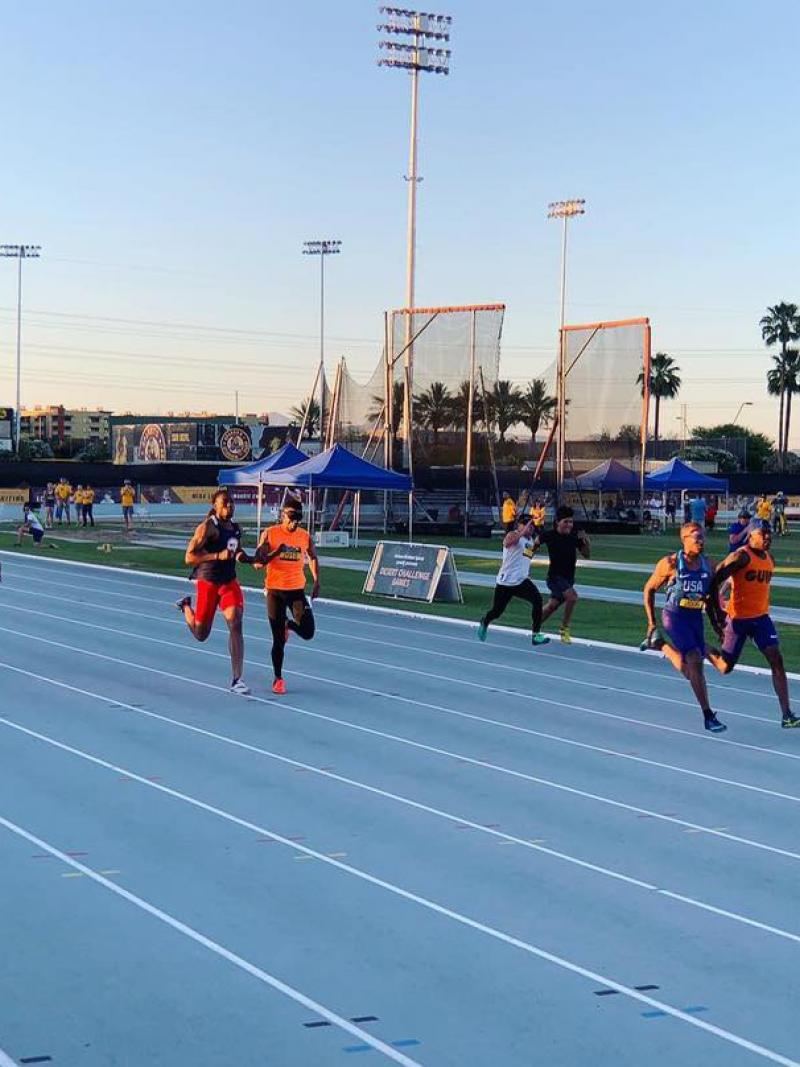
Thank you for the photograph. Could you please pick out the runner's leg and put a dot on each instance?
(233, 617)
(276, 614)
(502, 597)
(302, 620)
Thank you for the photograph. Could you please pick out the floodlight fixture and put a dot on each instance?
(322, 248)
(19, 252)
(565, 209)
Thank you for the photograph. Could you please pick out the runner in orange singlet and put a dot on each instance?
(285, 550)
(750, 570)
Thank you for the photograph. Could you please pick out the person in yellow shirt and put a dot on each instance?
(77, 500)
(63, 493)
(88, 505)
(538, 513)
(508, 513)
(127, 497)
(284, 550)
(764, 508)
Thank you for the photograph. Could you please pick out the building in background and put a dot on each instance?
(66, 429)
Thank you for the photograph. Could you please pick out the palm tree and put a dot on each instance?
(298, 413)
(785, 375)
(536, 408)
(504, 405)
(781, 325)
(434, 408)
(459, 406)
(665, 384)
(398, 400)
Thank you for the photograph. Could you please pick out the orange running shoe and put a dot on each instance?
(279, 687)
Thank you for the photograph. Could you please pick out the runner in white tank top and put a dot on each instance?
(513, 580)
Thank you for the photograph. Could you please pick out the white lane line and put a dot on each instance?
(441, 709)
(396, 890)
(443, 620)
(281, 703)
(6, 1061)
(317, 651)
(503, 838)
(214, 946)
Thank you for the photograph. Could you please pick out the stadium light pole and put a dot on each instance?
(19, 252)
(414, 44)
(744, 404)
(322, 249)
(564, 210)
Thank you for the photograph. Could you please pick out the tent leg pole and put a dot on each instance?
(410, 516)
(258, 508)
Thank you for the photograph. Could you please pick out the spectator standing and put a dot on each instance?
(763, 508)
(49, 505)
(508, 513)
(63, 493)
(711, 512)
(538, 514)
(697, 510)
(77, 500)
(670, 509)
(126, 498)
(88, 505)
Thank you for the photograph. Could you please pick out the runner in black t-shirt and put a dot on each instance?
(563, 544)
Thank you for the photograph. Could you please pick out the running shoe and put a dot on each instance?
(566, 637)
(713, 724)
(184, 602)
(654, 642)
(240, 688)
(789, 721)
(279, 687)
(540, 639)
(482, 630)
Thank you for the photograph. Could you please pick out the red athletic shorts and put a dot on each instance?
(211, 596)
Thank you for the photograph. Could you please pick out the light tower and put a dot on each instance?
(564, 210)
(19, 252)
(322, 249)
(414, 44)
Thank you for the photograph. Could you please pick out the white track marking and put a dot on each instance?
(459, 757)
(484, 720)
(214, 946)
(380, 883)
(372, 608)
(6, 1061)
(502, 836)
(317, 651)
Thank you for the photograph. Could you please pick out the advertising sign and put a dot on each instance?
(6, 429)
(413, 572)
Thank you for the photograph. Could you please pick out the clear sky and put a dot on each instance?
(171, 158)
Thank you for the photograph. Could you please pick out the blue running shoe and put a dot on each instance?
(713, 724)
(540, 639)
(482, 630)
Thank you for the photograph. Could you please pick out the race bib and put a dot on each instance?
(689, 602)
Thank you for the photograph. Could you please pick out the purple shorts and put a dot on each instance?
(684, 628)
(761, 630)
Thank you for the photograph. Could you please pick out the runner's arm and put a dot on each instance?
(263, 555)
(664, 570)
(584, 544)
(195, 553)
(733, 563)
(313, 566)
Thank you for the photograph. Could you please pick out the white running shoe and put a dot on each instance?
(239, 688)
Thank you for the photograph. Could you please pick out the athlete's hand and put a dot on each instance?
(224, 555)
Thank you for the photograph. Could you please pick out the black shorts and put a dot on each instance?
(279, 601)
(559, 587)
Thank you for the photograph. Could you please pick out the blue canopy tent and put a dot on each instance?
(253, 473)
(677, 475)
(338, 468)
(610, 475)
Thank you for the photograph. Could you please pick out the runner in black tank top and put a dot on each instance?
(212, 554)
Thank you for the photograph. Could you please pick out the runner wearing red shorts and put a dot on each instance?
(213, 552)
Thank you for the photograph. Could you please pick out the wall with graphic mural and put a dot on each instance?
(217, 439)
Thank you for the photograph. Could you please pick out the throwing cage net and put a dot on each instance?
(602, 382)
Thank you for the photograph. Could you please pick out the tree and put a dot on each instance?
(504, 404)
(398, 400)
(460, 406)
(629, 432)
(312, 422)
(785, 374)
(536, 407)
(781, 325)
(665, 384)
(759, 447)
(434, 408)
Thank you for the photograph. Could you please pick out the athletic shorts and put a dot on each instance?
(127, 511)
(684, 628)
(212, 595)
(761, 630)
(37, 535)
(558, 587)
